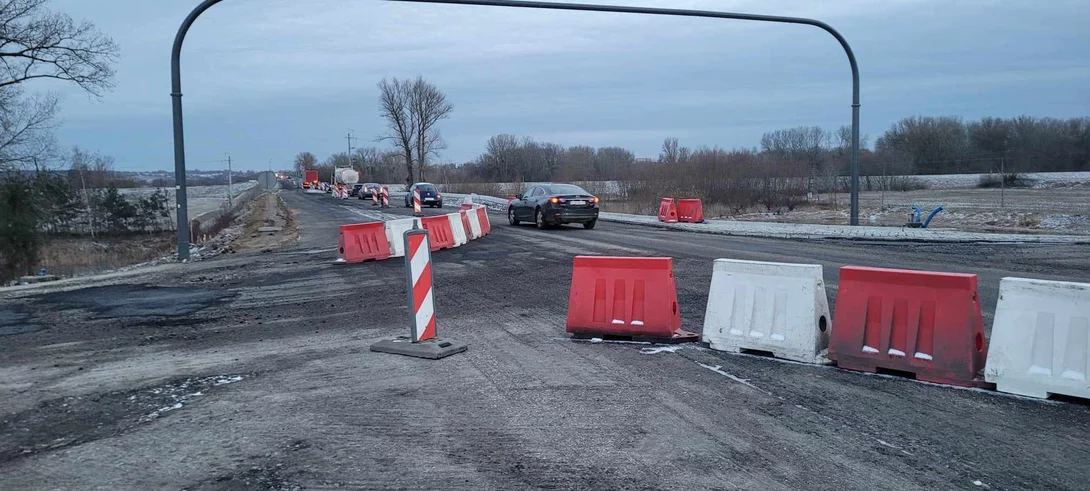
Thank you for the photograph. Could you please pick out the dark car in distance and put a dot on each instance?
(364, 190)
(553, 204)
(429, 195)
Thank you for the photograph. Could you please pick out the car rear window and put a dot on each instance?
(566, 189)
(427, 188)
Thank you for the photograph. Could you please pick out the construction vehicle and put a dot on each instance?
(310, 181)
(344, 178)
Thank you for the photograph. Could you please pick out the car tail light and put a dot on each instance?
(437, 195)
(594, 199)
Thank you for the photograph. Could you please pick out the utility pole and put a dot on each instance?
(230, 186)
(350, 138)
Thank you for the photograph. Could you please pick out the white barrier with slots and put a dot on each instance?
(1040, 342)
(395, 234)
(457, 228)
(474, 224)
(774, 307)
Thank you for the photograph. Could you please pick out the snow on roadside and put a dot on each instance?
(661, 349)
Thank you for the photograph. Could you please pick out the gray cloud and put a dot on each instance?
(264, 79)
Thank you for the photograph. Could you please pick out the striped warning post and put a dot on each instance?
(416, 202)
(418, 263)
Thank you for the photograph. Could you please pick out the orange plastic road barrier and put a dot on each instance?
(690, 211)
(625, 296)
(363, 242)
(466, 206)
(439, 233)
(482, 216)
(668, 210)
(920, 322)
(465, 224)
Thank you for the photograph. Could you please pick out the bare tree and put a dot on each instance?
(304, 161)
(428, 105)
(395, 105)
(672, 153)
(37, 43)
(26, 127)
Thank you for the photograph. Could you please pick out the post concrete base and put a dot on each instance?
(433, 349)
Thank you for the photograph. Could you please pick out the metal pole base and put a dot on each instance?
(432, 349)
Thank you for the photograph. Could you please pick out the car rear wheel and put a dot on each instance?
(511, 216)
(589, 225)
(539, 219)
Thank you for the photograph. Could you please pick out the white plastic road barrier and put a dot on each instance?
(1040, 343)
(458, 229)
(774, 307)
(474, 224)
(395, 234)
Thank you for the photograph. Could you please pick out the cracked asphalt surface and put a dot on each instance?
(121, 381)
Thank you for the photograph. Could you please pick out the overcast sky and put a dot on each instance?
(266, 79)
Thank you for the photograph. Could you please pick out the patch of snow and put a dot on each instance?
(745, 382)
(637, 323)
(224, 380)
(661, 349)
(617, 321)
(922, 356)
(1039, 370)
(596, 340)
(1073, 375)
(895, 352)
(868, 349)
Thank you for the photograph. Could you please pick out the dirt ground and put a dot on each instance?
(252, 371)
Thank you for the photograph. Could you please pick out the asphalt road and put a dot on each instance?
(252, 371)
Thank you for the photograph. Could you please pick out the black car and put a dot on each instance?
(554, 204)
(366, 188)
(355, 191)
(429, 195)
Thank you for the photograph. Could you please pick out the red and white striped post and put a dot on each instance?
(421, 300)
(416, 202)
(385, 197)
(374, 196)
(422, 341)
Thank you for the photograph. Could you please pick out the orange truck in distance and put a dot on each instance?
(310, 179)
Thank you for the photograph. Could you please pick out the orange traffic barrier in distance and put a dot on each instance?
(482, 216)
(632, 297)
(923, 323)
(690, 211)
(363, 241)
(668, 210)
(439, 232)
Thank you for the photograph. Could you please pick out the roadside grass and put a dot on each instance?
(77, 256)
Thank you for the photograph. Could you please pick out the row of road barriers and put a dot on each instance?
(673, 210)
(374, 241)
(924, 324)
